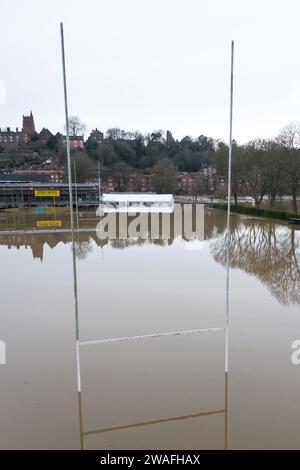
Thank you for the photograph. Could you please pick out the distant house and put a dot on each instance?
(45, 135)
(76, 141)
(96, 135)
(7, 136)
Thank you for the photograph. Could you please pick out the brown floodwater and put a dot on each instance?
(151, 393)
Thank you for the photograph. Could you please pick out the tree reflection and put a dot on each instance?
(268, 251)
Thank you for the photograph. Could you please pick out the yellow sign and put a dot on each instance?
(47, 193)
(56, 209)
(48, 223)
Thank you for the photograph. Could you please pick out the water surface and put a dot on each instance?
(167, 392)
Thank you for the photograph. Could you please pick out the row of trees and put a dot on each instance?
(261, 167)
(144, 151)
(264, 167)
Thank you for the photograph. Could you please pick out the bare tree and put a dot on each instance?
(76, 127)
(289, 136)
(164, 176)
(237, 167)
(274, 167)
(289, 139)
(85, 167)
(115, 133)
(256, 171)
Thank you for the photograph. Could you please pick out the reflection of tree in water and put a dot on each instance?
(270, 252)
(215, 223)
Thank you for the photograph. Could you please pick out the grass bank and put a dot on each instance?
(267, 213)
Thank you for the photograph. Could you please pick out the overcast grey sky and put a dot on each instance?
(153, 64)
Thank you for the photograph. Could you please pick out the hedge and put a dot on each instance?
(273, 214)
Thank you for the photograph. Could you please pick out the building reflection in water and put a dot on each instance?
(267, 250)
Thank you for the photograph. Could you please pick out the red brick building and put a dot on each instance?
(7, 136)
(45, 135)
(96, 136)
(76, 141)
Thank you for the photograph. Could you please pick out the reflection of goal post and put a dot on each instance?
(80, 344)
(2, 352)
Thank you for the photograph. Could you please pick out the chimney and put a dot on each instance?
(17, 129)
(8, 129)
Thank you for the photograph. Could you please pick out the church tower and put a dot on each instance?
(28, 127)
